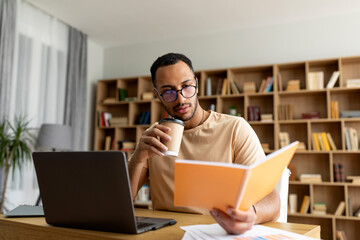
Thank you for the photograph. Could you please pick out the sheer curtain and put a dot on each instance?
(38, 85)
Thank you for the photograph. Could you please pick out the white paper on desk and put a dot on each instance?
(215, 231)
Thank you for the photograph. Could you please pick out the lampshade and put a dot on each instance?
(54, 137)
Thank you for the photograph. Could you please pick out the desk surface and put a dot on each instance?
(37, 228)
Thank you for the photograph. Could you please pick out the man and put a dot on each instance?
(207, 136)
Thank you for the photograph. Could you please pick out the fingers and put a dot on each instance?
(231, 224)
(151, 140)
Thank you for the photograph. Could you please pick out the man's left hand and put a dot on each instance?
(235, 221)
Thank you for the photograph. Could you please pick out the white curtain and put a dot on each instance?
(38, 85)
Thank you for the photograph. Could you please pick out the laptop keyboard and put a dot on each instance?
(143, 224)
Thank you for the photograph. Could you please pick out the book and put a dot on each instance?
(334, 109)
(147, 96)
(233, 86)
(226, 184)
(284, 139)
(334, 77)
(293, 85)
(269, 84)
(347, 139)
(208, 87)
(280, 83)
(224, 86)
(340, 235)
(310, 115)
(249, 87)
(292, 203)
(331, 141)
(305, 204)
(357, 212)
(354, 139)
(350, 206)
(353, 179)
(108, 140)
(262, 86)
(350, 114)
(322, 144)
(310, 177)
(315, 142)
(127, 144)
(336, 171)
(353, 83)
(316, 80)
(319, 208)
(340, 209)
(326, 141)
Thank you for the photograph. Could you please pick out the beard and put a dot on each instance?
(183, 118)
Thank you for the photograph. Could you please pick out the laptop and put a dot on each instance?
(90, 190)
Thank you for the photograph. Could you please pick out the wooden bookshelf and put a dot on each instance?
(308, 161)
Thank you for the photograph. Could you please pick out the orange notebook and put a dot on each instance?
(213, 184)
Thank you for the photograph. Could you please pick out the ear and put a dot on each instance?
(156, 93)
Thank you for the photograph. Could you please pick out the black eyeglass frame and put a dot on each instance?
(176, 91)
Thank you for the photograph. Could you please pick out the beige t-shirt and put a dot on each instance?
(221, 138)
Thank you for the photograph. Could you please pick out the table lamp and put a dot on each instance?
(54, 137)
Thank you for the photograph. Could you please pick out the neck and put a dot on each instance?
(198, 118)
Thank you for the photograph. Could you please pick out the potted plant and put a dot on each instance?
(16, 144)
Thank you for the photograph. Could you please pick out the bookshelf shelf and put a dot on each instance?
(129, 103)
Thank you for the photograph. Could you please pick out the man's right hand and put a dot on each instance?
(150, 144)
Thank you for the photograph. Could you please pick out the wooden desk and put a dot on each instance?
(37, 228)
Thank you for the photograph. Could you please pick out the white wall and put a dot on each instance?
(95, 72)
(328, 37)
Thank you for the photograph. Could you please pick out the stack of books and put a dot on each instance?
(118, 121)
(310, 178)
(353, 179)
(319, 208)
(293, 85)
(310, 115)
(350, 114)
(266, 117)
(249, 87)
(147, 96)
(353, 83)
(127, 145)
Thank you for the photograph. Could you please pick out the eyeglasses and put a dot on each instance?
(169, 96)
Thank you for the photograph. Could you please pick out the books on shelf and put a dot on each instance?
(109, 143)
(286, 111)
(310, 178)
(249, 87)
(234, 87)
(266, 117)
(280, 82)
(334, 109)
(310, 115)
(331, 141)
(104, 119)
(118, 121)
(226, 184)
(322, 141)
(253, 113)
(284, 139)
(340, 235)
(208, 91)
(292, 203)
(316, 80)
(351, 139)
(305, 204)
(122, 94)
(144, 118)
(147, 96)
(353, 179)
(338, 169)
(334, 77)
(350, 114)
(127, 145)
(340, 209)
(319, 208)
(293, 85)
(353, 83)
(109, 100)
